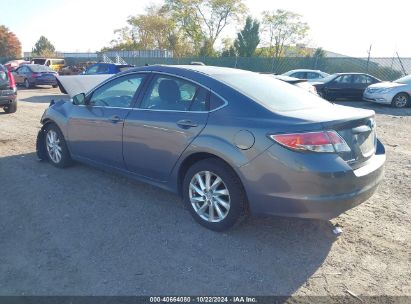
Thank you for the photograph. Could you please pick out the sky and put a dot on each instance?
(347, 27)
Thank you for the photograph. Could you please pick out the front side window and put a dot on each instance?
(103, 69)
(170, 93)
(118, 93)
(344, 79)
(299, 75)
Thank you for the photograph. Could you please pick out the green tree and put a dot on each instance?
(284, 28)
(248, 39)
(10, 45)
(203, 20)
(44, 47)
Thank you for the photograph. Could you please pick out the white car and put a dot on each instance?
(396, 93)
(310, 75)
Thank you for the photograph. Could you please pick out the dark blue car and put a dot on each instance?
(31, 75)
(106, 68)
(228, 141)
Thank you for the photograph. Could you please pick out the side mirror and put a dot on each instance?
(79, 99)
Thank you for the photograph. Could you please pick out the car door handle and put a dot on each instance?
(185, 123)
(115, 119)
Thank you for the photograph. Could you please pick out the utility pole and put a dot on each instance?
(369, 55)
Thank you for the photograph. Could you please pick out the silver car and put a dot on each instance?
(310, 75)
(396, 93)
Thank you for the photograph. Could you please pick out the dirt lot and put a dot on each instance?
(81, 231)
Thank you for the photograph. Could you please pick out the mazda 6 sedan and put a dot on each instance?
(230, 142)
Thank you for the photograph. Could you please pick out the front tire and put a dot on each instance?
(27, 84)
(56, 147)
(214, 194)
(11, 108)
(401, 100)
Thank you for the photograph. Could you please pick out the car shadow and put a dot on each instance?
(104, 234)
(378, 108)
(44, 98)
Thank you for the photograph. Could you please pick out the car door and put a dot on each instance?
(360, 83)
(339, 87)
(19, 75)
(95, 129)
(172, 112)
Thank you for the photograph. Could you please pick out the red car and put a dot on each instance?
(8, 91)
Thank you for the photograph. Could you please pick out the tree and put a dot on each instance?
(284, 28)
(203, 20)
(248, 39)
(155, 29)
(43, 47)
(10, 45)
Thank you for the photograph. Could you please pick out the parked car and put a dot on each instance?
(53, 63)
(344, 85)
(31, 75)
(8, 91)
(14, 64)
(229, 141)
(310, 75)
(396, 93)
(301, 83)
(106, 68)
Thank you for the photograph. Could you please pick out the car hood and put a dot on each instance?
(386, 84)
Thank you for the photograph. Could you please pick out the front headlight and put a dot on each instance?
(386, 90)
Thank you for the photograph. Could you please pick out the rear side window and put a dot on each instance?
(215, 102)
(271, 93)
(170, 93)
(4, 79)
(312, 75)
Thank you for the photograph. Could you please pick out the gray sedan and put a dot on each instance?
(396, 93)
(230, 142)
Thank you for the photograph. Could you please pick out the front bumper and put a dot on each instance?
(378, 98)
(309, 185)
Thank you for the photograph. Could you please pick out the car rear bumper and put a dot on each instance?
(8, 99)
(44, 81)
(307, 186)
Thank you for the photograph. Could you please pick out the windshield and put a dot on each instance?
(405, 79)
(39, 61)
(273, 94)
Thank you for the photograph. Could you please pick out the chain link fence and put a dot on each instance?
(385, 68)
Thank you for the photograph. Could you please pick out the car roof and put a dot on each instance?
(305, 70)
(207, 70)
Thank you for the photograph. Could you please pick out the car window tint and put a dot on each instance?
(312, 75)
(300, 75)
(200, 101)
(170, 93)
(92, 69)
(344, 79)
(369, 79)
(360, 79)
(215, 102)
(103, 68)
(117, 93)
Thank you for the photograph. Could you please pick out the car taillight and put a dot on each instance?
(323, 141)
(35, 75)
(11, 80)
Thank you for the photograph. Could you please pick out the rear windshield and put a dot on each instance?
(40, 68)
(273, 94)
(405, 79)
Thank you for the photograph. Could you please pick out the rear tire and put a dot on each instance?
(56, 147)
(11, 108)
(401, 100)
(55, 86)
(218, 201)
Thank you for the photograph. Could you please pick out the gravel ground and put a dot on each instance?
(81, 231)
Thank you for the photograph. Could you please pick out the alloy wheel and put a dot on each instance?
(53, 145)
(209, 196)
(400, 101)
